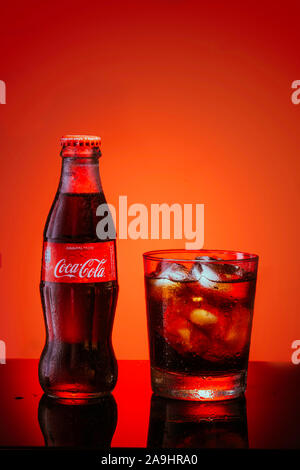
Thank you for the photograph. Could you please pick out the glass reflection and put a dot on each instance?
(64, 423)
(188, 424)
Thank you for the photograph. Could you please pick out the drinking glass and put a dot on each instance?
(199, 310)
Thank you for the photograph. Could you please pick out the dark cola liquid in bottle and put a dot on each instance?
(79, 285)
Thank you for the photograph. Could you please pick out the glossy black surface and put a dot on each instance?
(269, 417)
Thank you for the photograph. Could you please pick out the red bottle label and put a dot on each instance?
(75, 262)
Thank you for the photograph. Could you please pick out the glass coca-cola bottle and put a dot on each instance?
(79, 285)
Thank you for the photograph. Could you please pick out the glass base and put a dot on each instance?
(207, 387)
(75, 398)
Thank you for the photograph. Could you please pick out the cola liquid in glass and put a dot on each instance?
(79, 285)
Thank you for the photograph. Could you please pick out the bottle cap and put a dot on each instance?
(80, 141)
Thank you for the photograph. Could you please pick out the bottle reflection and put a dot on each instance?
(187, 424)
(66, 424)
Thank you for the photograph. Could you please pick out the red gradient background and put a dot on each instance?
(193, 103)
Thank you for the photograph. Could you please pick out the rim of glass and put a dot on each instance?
(156, 255)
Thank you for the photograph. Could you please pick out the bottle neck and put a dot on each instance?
(80, 175)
